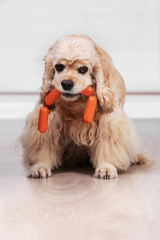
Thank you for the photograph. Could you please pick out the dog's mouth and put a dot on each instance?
(70, 95)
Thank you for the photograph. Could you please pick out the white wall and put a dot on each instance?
(127, 29)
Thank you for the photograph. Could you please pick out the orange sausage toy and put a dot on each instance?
(43, 119)
(54, 95)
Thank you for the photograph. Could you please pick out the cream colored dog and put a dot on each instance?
(110, 142)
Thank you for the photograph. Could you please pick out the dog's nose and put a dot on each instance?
(67, 84)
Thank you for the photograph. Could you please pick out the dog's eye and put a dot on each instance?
(83, 69)
(59, 67)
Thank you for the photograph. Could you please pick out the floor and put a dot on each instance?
(73, 205)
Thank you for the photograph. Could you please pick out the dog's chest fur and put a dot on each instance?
(72, 124)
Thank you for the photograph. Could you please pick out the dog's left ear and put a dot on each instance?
(110, 88)
(48, 76)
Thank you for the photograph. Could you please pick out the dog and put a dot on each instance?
(109, 141)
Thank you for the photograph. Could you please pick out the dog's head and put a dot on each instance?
(74, 63)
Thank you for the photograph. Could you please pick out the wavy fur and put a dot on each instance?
(109, 141)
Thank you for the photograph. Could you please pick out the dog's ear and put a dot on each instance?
(108, 80)
(47, 76)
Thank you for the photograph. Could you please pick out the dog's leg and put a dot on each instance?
(41, 151)
(116, 147)
(43, 162)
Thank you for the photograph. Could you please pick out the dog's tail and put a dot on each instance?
(145, 159)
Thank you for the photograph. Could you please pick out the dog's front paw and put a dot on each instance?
(106, 172)
(39, 171)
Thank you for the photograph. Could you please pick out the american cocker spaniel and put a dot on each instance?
(109, 141)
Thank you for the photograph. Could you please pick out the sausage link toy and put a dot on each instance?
(43, 119)
(90, 109)
(54, 95)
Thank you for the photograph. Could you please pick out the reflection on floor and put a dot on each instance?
(73, 205)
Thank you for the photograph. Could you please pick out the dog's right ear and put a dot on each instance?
(47, 76)
(104, 73)
(110, 88)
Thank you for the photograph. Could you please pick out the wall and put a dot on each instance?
(128, 30)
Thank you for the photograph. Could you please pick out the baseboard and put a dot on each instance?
(136, 106)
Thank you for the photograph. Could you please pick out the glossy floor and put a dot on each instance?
(73, 205)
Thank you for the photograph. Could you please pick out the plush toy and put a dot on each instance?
(54, 95)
